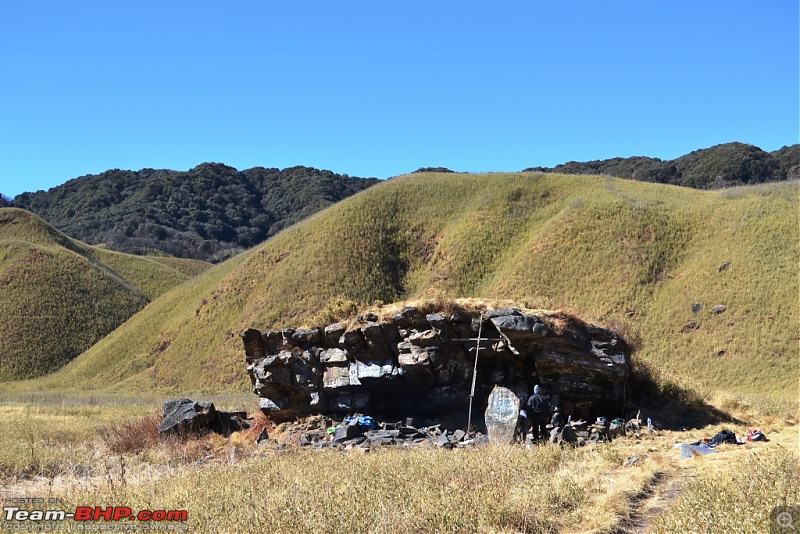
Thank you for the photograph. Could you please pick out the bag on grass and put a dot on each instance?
(723, 436)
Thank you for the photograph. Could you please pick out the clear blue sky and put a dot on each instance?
(382, 88)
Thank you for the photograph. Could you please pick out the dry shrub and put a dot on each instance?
(439, 303)
(560, 320)
(259, 423)
(134, 435)
(337, 309)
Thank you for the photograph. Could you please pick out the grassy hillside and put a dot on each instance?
(631, 256)
(59, 296)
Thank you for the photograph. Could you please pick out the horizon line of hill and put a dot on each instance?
(213, 211)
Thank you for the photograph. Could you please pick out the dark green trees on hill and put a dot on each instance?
(788, 161)
(719, 166)
(732, 163)
(433, 169)
(209, 212)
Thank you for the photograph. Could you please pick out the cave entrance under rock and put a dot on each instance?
(418, 365)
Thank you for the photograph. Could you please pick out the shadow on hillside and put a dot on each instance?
(672, 407)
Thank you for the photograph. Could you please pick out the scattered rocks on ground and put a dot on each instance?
(719, 308)
(362, 432)
(690, 326)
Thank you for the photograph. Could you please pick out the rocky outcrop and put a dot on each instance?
(180, 416)
(416, 364)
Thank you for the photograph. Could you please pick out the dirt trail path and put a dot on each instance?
(667, 485)
(657, 500)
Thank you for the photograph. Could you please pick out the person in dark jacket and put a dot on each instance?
(539, 412)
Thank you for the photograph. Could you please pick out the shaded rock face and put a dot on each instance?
(415, 364)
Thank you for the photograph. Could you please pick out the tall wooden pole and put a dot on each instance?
(474, 373)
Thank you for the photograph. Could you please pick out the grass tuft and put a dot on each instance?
(132, 436)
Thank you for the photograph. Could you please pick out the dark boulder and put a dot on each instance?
(180, 416)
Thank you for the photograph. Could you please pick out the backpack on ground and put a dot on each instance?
(723, 436)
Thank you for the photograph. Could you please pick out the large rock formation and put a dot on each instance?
(413, 364)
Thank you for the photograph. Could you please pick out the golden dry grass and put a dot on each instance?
(230, 485)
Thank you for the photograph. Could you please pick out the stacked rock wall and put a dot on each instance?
(413, 364)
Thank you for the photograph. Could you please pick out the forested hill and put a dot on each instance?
(723, 165)
(209, 212)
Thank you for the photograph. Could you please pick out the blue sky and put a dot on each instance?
(382, 88)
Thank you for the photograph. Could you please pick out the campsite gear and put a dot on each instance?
(723, 436)
(599, 431)
(756, 435)
(694, 449)
(366, 421)
(616, 429)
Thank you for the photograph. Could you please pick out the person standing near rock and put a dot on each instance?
(539, 412)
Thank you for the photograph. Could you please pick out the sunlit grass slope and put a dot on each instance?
(59, 296)
(627, 255)
(152, 275)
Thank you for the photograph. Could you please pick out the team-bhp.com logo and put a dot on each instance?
(94, 513)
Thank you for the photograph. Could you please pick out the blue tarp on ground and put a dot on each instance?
(688, 450)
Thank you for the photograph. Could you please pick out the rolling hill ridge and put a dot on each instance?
(59, 296)
(213, 211)
(725, 165)
(210, 212)
(642, 259)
